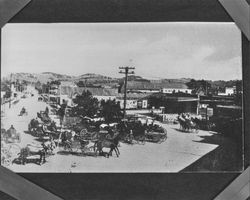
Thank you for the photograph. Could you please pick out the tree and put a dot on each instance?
(55, 82)
(111, 111)
(81, 84)
(86, 105)
(199, 84)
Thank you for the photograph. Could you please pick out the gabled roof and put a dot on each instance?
(133, 96)
(138, 85)
(68, 83)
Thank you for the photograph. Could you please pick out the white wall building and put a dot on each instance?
(130, 103)
(134, 101)
(228, 91)
(176, 90)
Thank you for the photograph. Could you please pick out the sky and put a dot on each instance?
(210, 51)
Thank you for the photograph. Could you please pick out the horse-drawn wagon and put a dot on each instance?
(77, 143)
(136, 132)
(156, 134)
(10, 136)
(8, 152)
(23, 112)
(44, 116)
(187, 124)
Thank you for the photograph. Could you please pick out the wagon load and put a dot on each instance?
(44, 116)
(35, 127)
(70, 142)
(71, 121)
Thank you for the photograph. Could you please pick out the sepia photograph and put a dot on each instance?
(121, 97)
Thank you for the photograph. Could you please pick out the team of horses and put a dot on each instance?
(188, 123)
(41, 151)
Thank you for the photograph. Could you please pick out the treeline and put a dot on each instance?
(213, 87)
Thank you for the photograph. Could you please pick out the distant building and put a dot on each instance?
(154, 87)
(68, 92)
(176, 90)
(175, 103)
(67, 84)
(134, 101)
(229, 91)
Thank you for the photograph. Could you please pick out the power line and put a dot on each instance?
(125, 70)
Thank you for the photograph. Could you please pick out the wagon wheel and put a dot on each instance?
(14, 148)
(76, 146)
(163, 138)
(156, 139)
(5, 161)
(83, 132)
(38, 133)
(209, 126)
(86, 149)
(67, 146)
(8, 154)
(141, 140)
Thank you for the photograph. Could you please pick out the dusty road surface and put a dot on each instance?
(176, 153)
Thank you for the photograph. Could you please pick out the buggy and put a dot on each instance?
(82, 143)
(23, 112)
(10, 136)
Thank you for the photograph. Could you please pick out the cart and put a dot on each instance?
(155, 137)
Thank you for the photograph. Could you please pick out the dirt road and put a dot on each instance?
(177, 152)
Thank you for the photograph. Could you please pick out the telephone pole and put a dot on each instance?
(125, 70)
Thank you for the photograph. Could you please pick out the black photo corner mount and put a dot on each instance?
(179, 186)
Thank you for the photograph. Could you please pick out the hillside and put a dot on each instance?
(50, 76)
(92, 79)
(33, 77)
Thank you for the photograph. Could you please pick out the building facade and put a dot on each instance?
(176, 90)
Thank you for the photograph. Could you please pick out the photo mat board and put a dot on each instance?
(198, 71)
(165, 184)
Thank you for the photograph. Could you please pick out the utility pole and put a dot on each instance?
(126, 72)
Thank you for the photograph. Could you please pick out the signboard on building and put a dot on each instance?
(209, 112)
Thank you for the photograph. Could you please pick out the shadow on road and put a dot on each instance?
(83, 154)
(228, 156)
(183, 131)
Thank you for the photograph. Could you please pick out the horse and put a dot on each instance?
(187, 124)
(183, 124)
(72, 140)
(33, 125)
(49, 146)
(48, 128)
(40, 151)
(111, 143)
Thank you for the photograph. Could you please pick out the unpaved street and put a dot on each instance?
(176, 153)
